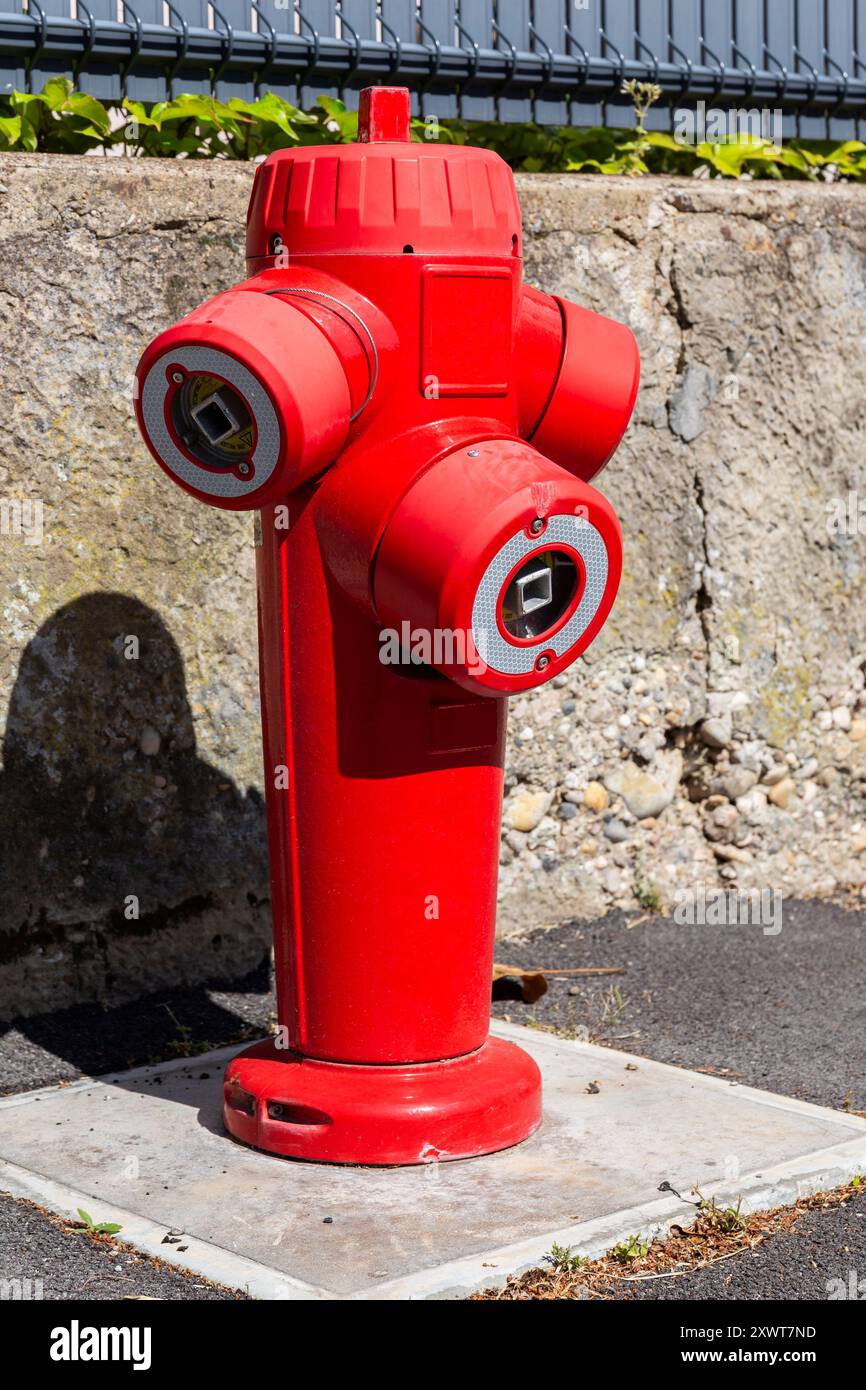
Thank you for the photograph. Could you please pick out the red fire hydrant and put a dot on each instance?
(417, 428)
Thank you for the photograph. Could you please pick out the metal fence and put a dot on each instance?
(553, 61)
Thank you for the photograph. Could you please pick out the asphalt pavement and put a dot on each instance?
(824, 1254)
(42, 1258)
(784, 1012)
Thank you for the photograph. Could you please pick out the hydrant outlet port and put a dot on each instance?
(214, 421)
(458, 556)
(539, 595)
(215, 418)
(262, 402)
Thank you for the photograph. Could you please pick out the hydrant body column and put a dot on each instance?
(388, 828)
(417, 429)
(384, 836)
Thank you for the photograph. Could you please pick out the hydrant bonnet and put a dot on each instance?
(383, 196)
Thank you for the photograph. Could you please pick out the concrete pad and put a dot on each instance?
(146, 1148)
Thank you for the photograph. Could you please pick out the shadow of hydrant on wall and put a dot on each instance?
(126, 860)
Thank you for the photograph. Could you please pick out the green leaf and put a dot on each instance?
(660, 140)
(445, 135)
(79, 104)
(56, 92)
(338, 121)
(85, 1216)
(202, 108)
(726, 158)
(94, 135)
(269, 110)
(10, 131)
(29, 139)
(139, 112)
(842, 151)
(793, 159)
(332, 106)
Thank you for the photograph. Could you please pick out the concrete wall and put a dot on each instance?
(716, 733)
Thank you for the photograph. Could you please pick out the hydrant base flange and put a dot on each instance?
(336, 1112)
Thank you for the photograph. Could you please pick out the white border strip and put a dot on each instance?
(201, 1257)
(782, 1185)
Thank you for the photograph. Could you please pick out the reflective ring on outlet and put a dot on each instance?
(210, 422)
(559, 616)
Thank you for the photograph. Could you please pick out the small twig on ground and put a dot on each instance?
(585, 970)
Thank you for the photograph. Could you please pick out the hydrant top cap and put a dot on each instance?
(384, 114)
(383, 194)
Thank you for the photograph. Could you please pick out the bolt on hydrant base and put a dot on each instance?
(417, 429)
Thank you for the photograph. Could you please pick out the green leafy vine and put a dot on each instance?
(60, 120)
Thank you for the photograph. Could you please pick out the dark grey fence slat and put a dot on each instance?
(13, 74)
(361, 14)
(476, 101)
(283, 21)
(840, 46)
(48, 66)
(683, 38)
(550, 19)
(100, 79)
(748, 31)
(651, 26)
(188, 77)
(12, 77)
(685, 25)
(715, 21)
(234, 81)
(439, 17)
(322, 14)
(399, 15)
(810, 42)
(108, 80)
(618, 23)
(513, 20)
(148, 11)
(858, 65)
(361, 21)
(779, 41)
(583, 23)
(750, 40)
